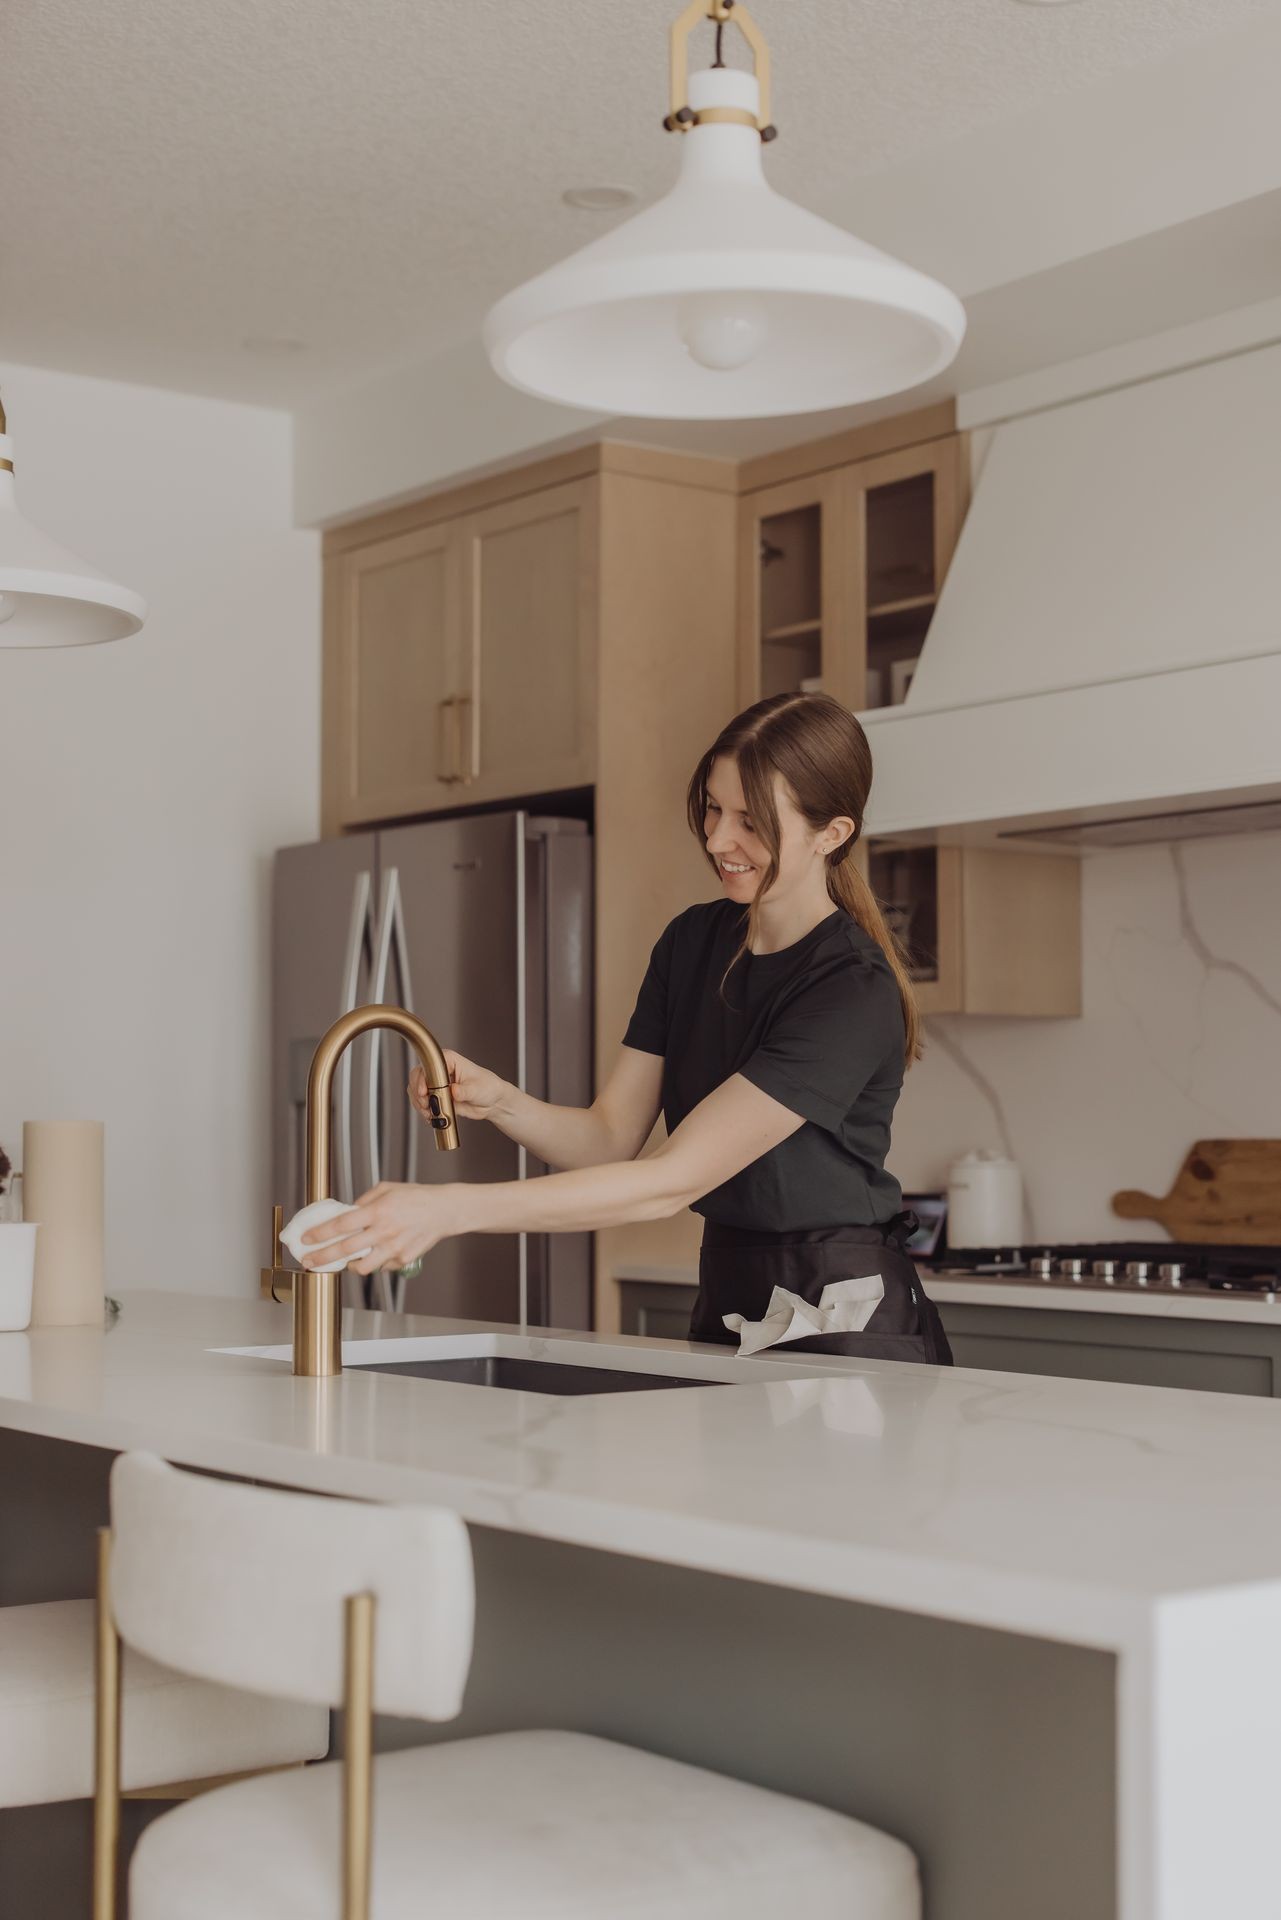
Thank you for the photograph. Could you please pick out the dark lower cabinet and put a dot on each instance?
(656, 1309)
(1210, 1356)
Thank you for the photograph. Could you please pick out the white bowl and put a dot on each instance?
(17, 1270)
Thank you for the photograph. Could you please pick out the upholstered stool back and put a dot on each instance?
(246, 1586)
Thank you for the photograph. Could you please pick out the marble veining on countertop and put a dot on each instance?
(1065, 1508)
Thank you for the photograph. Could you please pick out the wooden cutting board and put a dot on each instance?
(1227, 1191)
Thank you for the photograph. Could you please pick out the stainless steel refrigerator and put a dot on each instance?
(482, 927)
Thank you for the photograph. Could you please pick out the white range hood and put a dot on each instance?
(1107, 647)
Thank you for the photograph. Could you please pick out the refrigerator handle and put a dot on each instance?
(407, 1002)
(378, 997)
(522, 1044)
(356, 933)
(390, 933)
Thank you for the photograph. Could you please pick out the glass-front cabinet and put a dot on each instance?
(983, 929)
(906, 882)
(840, 572)
(794, 578)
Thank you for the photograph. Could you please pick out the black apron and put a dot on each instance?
(738, 1270)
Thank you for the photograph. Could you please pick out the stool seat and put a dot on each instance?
(175, 1728)
(523, 1826)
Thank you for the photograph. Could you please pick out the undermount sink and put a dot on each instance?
(530, 1376)
(548, 1362)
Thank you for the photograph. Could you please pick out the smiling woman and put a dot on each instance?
(772, 1031)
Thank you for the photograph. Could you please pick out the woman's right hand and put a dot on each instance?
(477, 1091)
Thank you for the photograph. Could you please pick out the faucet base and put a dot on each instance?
(317, 1324)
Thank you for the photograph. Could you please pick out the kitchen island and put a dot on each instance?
(1028, 1624)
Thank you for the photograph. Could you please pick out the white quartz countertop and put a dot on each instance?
(1070, 1509)
(991, 1290)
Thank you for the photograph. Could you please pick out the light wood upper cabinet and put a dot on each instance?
(461, 659)
(903, 513)
(529, 644)
(795, 579)
(839, 571)
(393, 665)
(985, 929)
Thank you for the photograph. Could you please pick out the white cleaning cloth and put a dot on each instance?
(844, 1306)
(315, 1215)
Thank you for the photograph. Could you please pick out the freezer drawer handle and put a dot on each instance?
(391, 927)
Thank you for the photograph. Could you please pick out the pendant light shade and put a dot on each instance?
(48, 597)
(723, 300)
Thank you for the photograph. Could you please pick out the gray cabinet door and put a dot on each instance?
(657, 1310)
(1214, 1356)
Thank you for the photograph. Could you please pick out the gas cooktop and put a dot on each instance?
(1162, 1265)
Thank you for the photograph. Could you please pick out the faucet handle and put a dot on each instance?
(272, 1276)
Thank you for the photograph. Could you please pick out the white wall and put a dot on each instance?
(143, 786)
(1180, 1040)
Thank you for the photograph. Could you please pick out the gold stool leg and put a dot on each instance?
(106, 1786)
(358, 1709)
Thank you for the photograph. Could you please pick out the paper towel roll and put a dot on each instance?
(62, 1166)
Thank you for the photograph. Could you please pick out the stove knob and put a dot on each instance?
(1072, 1269)
(1137, 1272)
(1172, 1275)
(1105, 1270)
(1041, 1267)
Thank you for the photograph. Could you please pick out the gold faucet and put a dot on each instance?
(317, 1296)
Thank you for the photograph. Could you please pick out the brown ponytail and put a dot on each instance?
(819, 750)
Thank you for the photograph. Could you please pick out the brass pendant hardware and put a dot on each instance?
(681, 116)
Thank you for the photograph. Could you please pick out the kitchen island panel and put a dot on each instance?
(992, 1755)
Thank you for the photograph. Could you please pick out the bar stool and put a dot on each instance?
(331, 1602)
(181, 1731)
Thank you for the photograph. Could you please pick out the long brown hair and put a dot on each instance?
(820, 752)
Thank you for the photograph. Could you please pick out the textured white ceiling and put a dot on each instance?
(366, 175)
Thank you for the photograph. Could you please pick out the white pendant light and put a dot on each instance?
(723, 300)
(49, 598)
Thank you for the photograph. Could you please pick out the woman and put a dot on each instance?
(772, 1031)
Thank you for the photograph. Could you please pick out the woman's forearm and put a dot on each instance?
(606, 1195)
(561, 1136)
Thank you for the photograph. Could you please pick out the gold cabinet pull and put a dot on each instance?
(467, 760)
(446, 742)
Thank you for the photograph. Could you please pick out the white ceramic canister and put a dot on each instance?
(984, 1200)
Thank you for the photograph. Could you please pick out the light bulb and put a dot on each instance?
(722, 330)
(8, 607)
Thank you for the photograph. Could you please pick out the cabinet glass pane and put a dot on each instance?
(791, 600)
(905, 881)
(900, 584)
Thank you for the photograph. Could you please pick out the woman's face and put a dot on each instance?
(741, 858)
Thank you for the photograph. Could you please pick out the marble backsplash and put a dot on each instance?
(1179, 1040)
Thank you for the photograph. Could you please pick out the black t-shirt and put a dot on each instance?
(817, 1026)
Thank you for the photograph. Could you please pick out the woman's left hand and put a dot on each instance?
(394, 1221)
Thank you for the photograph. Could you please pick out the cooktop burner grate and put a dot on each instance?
(1158, 1264)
